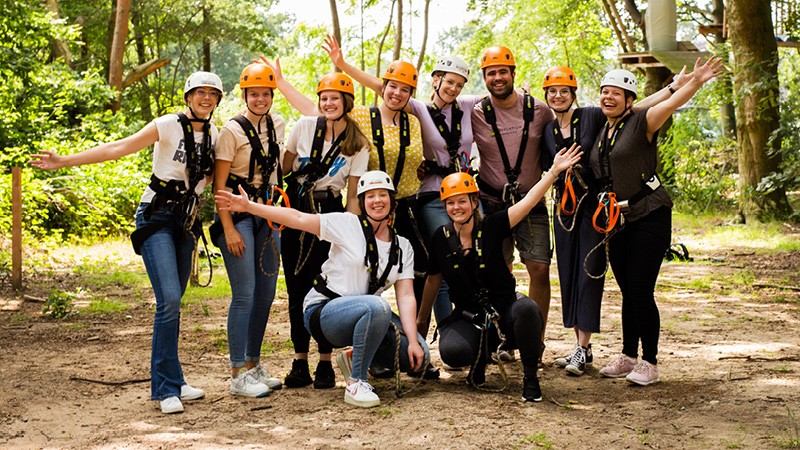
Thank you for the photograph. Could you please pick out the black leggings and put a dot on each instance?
(635, 254)
(521, 322)
(298, 285)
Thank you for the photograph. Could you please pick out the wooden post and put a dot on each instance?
(16, 228)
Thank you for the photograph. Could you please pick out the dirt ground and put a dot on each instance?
(729, 363)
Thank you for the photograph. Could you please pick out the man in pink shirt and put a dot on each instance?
(507, 127)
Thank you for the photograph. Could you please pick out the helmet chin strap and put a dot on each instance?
(436, 91)
(260, 116)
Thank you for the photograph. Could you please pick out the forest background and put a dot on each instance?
(62, 63)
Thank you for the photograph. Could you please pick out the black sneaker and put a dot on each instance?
(431, 373)
(577, 362)
(378, 371)
(299, 376)
(531, 392)
(324, 376)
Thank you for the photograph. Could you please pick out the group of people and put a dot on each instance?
(385, 196)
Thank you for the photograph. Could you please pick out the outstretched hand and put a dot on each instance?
(712, 68)
(47, 160)
(331, 46)
(275, 66)
(681, 78)
(228, 201)
(565, 158)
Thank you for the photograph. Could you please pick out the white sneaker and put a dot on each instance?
(263, 376)
(344, 360)
(360, 394)
(191, 393)
(245, 385)
(171, 405)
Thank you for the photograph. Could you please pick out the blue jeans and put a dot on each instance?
(167, 256)
(253, 277)
(361, 321)
(432, 216)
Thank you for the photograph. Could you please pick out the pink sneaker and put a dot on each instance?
(619, 367)
(643, 374)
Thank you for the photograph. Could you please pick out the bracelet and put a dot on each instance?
(671, 89)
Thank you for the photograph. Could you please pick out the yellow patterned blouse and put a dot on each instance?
(409, 183)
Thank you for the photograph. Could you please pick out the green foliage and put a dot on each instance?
(58, 305)
(106, 306)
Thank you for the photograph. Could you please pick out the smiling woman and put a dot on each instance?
(366, 257)
(166, 222)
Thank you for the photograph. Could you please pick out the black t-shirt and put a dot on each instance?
(463, 281)
(589, 123)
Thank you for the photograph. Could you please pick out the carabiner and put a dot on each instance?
(285, 198)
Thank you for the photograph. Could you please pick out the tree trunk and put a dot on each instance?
(727, 110)
(60, 48)
(337, 31)
(755, 74)
(380, 46)
(424, 36)
(398, 32)
(206, 42)
(118, 49)
(141, 56)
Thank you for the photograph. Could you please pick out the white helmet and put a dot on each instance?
(374, 179)
(202, 79)
(622, 79)
(452, 64)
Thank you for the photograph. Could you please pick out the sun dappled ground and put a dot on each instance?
(729, 362)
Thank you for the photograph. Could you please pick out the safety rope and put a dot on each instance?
(492, 318)
(607, 202)
(398, 388)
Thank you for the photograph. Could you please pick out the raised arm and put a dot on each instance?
(563, 160)
(147, 136)
(292, 218)
(331, 46)
(651, 100)
(300, 102)
(658, 114)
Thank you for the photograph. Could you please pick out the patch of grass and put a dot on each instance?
(268, 348)
(732, 443)
(385, 411)
(58, 305)
(198, 296)
(539, 440)
(699, 283)
(793, 440)
(219, 339)
(106, 306)
(783, 369)
(743, 277)
(75, 326)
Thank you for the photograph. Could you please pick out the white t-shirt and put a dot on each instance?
(300, 141)
(169, 156)
(345, 270)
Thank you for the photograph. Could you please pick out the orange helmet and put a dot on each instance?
(457, 183)
(257, 75)
(560, 76)
(336, 81)
(401, 71)
(497, 56)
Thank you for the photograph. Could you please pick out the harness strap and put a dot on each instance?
(371, 259)
(377, 140)
(491, 118)
(316, 327)
(265, 161)
(451, 135)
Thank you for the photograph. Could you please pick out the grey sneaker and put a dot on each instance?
(245, 385)
(191, 393)
(263, 376)
(577, 363)
(619, 367)
(171, 405)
